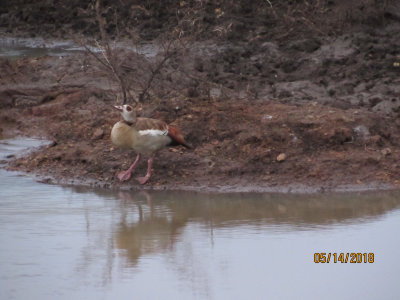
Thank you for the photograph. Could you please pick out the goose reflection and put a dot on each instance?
(131, 228)
(153, 222)
(151, 231)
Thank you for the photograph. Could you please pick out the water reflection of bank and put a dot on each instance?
(152, 222)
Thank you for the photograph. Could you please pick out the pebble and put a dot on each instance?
(281, 157)
(386, 151)
(98, 134)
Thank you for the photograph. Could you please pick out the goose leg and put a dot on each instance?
(126, 175)
(143, 180)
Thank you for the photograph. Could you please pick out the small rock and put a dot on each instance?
(45, 180)
(98, 134)
(362, 131)
(267, 117)
(281, 157)
(386, 151)
(215, 93)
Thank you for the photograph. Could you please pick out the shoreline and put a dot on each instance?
(295, 188)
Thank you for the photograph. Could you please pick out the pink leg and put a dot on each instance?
(126, 175)
(143, 180)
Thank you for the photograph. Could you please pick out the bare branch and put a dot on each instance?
(88, 50)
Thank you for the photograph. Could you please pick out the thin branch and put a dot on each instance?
(108, 54)
(167, 54)
(88, 50)
(269, 2)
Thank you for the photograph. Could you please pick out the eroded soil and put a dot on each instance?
(312, 112)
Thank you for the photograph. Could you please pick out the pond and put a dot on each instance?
(82, 243)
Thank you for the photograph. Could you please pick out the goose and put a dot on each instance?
(144, 136)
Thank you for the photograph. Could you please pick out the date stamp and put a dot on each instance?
(344, 258)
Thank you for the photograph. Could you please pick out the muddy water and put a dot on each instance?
(15, 48)
(79, 243)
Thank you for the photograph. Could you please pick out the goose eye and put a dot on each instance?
(128, 108)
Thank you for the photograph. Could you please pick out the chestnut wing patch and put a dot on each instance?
(177, 137)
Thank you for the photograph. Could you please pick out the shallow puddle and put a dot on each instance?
(15, 48)
(80, 243)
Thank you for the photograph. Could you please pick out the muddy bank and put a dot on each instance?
(238, 144)
(266, 110)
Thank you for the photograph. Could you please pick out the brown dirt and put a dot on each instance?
(300, 111)
(237, 143)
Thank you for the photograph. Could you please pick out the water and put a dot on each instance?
(15, 48)
(79, 243)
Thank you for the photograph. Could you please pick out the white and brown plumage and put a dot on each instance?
(144, 136)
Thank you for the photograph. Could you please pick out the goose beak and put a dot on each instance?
(118, 107)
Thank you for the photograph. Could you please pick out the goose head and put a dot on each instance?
(127, 112)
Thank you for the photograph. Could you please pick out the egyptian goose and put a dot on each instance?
(144, 136)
